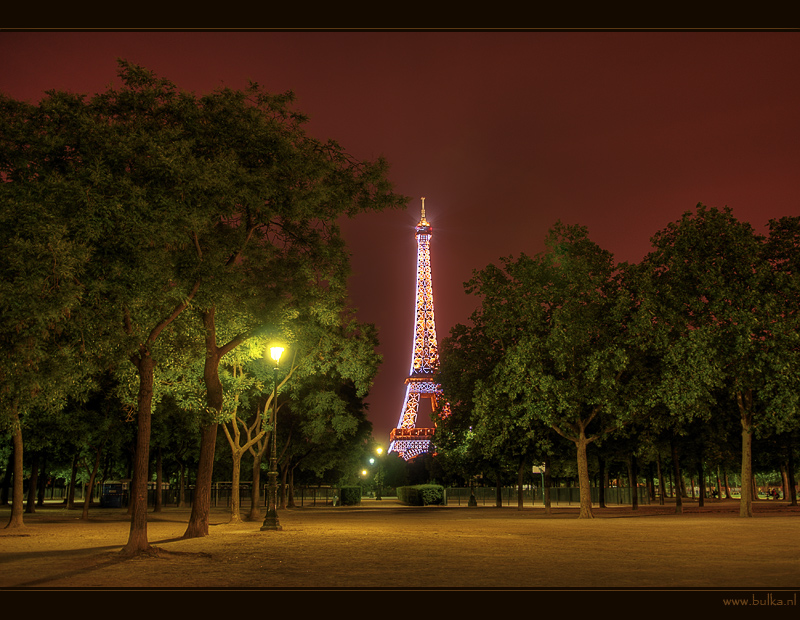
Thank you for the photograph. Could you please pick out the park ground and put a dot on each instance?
(384, 545)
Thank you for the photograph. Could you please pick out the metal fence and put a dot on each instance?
(222, 494)
(567, 496)
(310, 497)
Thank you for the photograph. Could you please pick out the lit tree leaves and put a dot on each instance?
(561, 356)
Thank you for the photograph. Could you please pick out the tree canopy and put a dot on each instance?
(570, 341)
(144, 206)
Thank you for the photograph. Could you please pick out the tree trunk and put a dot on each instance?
(282, 490)
(157, 500)
(601, 488)
(137, 538)
(7, 479)
(671, 474)
(651, 484)
(290, 488)
(633, 476)
(198, 521)
(727, 485)
(255, 499)
(42, 482)
(701, 477)
(33, 484)
(784, 481)
(88, 499)
(661, 487)
(182, 486)
(746, 501)
(677, 473)
(237, 452)
(17, 489)
(201, 502)
(73, 482)
(583, 477)
(547, 484)
(236, 469)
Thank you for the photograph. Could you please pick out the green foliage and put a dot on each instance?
(548, 348)
(350, 496)
(421, 495)
(148, 223)
(395, 470)
(719, 313)
(719, 305)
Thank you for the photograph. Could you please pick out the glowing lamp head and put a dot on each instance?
(363, 472)
(379, 450)
(275, 353)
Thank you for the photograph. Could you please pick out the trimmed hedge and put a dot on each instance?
(350, 496)
(421, 495)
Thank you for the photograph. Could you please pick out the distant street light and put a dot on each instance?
(271, 520)
(379, 476)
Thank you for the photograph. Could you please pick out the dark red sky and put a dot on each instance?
(502, 132)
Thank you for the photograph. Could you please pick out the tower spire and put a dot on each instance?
(422, 219)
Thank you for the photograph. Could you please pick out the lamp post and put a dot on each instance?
(271, 519)
(379, 452)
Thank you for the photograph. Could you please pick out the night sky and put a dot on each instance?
(502, 132)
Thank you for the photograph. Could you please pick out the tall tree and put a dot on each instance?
(334, 364)
(464, 437)
(41, 268)
(276, 242)
(572, 367)
(156, 195)
(467, 357)
(245, 389)
(718, 308)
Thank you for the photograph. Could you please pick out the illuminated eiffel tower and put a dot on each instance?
(407, 439)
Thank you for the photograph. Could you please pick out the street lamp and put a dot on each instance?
(271, 520)
(379, 477)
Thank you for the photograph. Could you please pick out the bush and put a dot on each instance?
(421, 495)
(350, 496)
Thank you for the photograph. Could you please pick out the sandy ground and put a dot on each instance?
(384, 545)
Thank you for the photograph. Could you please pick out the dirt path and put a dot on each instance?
(384, 545)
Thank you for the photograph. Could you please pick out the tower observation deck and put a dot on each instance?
(409, 440)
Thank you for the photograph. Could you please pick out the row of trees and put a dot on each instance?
(154, 243)
(94, 442)
(693, 345)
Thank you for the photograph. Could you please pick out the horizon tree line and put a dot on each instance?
(694, 345)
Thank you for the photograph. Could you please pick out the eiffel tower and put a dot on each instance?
(409, 440)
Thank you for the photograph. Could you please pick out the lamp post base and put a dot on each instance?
(271, 521)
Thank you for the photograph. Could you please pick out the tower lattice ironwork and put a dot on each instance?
(409, 440)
